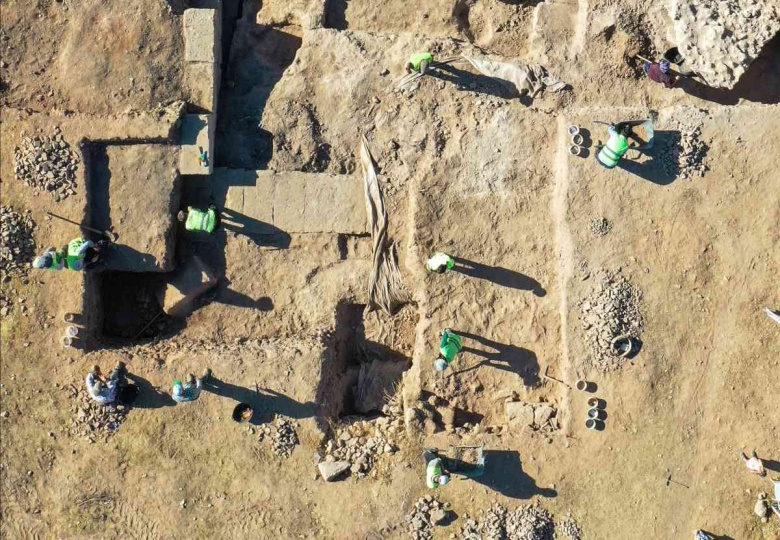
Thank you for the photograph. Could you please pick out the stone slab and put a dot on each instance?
(294, 202)
(135, 189)
(201, 85)
(197, 132)
(202, 35)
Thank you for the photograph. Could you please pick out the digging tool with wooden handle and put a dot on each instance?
(112, 236)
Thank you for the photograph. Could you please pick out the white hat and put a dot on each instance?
(42, 262)
(440, 364)
(444, 479)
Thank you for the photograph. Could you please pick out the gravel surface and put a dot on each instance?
(281, 434)
(47, 164)
(17, 248)
(610, 311)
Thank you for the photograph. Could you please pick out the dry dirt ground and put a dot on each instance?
(465, 169)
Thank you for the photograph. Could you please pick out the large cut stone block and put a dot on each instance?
(202, 36)
(295, 202)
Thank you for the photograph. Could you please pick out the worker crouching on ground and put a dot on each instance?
(199, 221)
(419, 63)
(190, 391)
(449, 347)
(103, 390)
(661, 73)
(616, 146)
(753, 464)
(440, 263)
(77, 255)
(435, 473)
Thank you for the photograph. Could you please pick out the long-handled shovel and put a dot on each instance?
(111, 235)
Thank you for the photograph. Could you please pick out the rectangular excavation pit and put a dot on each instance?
(359, 374)
(124, 307)
(134, 189)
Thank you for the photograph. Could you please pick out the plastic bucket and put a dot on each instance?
(597, 414)
(574, 150)
(66, 341)
(596, 425)
(128, 393)
(242, 413)
(573, 130)
(577, 139)
(597, 403)
(72, 331)
(69, 317)
(581, 385)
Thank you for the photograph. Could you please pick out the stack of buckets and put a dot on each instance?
(597, 414)
(71, 331)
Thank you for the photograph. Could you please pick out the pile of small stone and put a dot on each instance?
(17, 248)
(47, 164)
(526, 522)
(612, 310)
(427, 513)
(6, 306)
(600, 226)
(530, 522)
(281, 432)
(93, 420)
(683, 156)
(569, 529)
(692, 153)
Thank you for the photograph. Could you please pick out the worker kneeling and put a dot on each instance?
(77, 255)
(199, 221)
(449, 347)
(419, 63)
(435, 473)
(616, 146)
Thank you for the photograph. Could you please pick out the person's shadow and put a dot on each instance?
(771, 465)
(149, 396)
(506, 357)
(660, 169)
(265, 403)
(498, 275)
(465, 79)
(504, 474)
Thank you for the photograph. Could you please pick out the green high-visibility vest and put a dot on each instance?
(419, 57)
(434, 469)
(616, 147)
(450, 346)
(200, 221)
(72, 257)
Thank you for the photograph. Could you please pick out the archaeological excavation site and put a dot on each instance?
(350, 269)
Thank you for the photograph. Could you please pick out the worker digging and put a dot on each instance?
(532, 243)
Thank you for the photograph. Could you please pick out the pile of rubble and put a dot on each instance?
(720, 39)
(93, 420)
(569, 529)
(17, 248)
(427, 513)
(281, 432)
(6, 305)
(600, 226)
(47, 164)
(612, 310)
(684, 156)
(361, 442)
(526, 522)
(537, 416)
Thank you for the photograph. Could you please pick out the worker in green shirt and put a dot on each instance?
(449, 347)
(196, 220)
(435, 473)
(440, 263)
(419, 63)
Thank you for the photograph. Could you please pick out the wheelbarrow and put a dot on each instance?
(455, 463)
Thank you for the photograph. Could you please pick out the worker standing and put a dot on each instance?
(435, 473)
(616, 146)
(196, 220)
(661, 73)
(103, 390)
(440, 263)
(190, 391)
(419, 63)
(449, 347)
